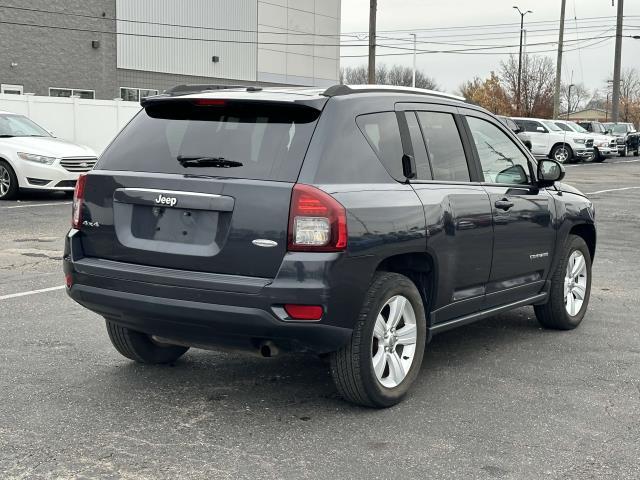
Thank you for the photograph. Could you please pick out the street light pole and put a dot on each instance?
(413, 82)
(519, 91)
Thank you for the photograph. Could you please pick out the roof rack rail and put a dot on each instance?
(186, 89)
(338, 90)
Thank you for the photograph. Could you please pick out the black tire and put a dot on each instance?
(140, 347)
(598, 157)
(555, 152)
(10, 176)
(625, 152)
(352, 366)
(553, 314)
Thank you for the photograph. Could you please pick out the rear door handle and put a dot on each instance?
(504, 204)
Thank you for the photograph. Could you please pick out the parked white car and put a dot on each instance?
(604, 146)
(550, 141)
(31, 158)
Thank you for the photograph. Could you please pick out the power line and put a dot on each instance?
(601, 40)
(144, 35)
(195, 27)
(493, 25)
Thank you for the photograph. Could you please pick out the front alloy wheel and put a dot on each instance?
(570, 288)
(575, 283)
(8, 182)
(562, 154)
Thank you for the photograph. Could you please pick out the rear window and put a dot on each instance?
(269, 139)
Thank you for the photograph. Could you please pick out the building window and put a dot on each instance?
(136, 94)
(72, 92)
(11, 89)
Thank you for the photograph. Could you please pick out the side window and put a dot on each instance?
(444, 146)
(423, 170)
(383, 134)
(501, 160)
(564, 127)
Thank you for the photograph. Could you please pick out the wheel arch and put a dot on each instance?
(587, 232)
(421, 268)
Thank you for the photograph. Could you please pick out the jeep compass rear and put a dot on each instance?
(354, 223)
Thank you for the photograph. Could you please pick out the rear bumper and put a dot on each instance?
(212, 310)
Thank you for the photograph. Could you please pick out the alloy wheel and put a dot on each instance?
(394, 341)
(561, 155)
(575, 283)
(5, 181)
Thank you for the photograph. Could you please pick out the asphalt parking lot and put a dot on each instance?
(497, 399)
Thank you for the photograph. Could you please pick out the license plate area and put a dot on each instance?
(175, 225)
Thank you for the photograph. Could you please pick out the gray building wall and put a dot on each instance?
(50, 56)
(55, 50)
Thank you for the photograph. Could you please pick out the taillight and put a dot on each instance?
(317, 221)
(78, 199)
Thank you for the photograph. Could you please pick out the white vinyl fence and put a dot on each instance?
(88, 122)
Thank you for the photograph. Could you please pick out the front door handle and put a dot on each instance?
(504, 204)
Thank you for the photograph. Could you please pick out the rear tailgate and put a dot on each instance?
(143, 206)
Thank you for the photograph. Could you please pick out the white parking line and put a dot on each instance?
(612, 190)
(601, 163)
(31, 292)
(35, 205)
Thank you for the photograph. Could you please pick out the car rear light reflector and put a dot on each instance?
(304, 312)
(317, 221)
(78, 199)
(68, 280)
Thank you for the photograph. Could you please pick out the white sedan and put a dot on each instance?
(32, 159)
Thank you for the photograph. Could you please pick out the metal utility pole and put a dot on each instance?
(519, 91)
(373, 7)
(556, 92)
(615, 100)
(413, 82)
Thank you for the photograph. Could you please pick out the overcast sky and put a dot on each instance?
(591, 64)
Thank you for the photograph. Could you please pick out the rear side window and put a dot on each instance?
(269, 140)
(444, 146)
(383, 134)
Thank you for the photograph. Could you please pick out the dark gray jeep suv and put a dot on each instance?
(354, 222)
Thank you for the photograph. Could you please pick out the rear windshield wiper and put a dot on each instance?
(7, 136)
(217, 162)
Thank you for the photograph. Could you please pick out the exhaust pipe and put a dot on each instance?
(268, 349)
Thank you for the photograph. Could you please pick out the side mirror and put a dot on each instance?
(517, 130)
(607, 132)
(549, 172)
(540, 129)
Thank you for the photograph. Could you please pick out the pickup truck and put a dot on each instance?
(628, 137)
(604, 146)
(550, 141)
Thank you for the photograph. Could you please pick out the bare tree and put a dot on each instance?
(572, 99)
(630, 96)
(538, 76)
(396, 75)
